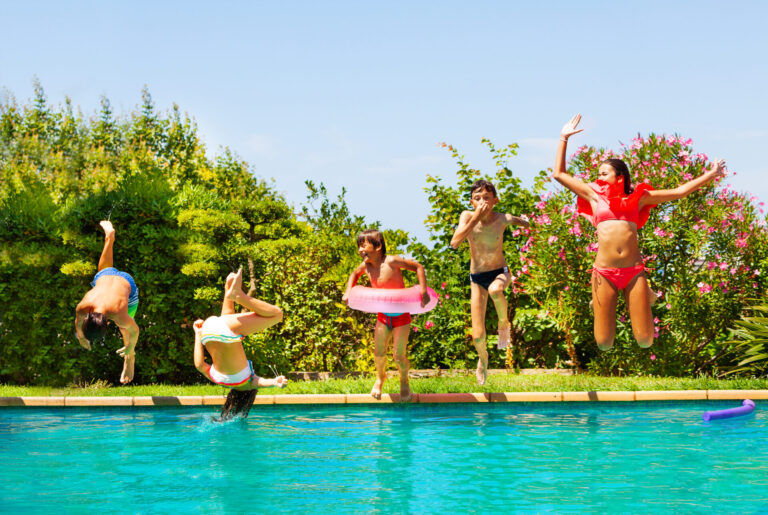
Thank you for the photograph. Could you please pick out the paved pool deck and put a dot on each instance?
(420, 398)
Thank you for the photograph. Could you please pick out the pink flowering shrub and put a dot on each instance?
(706, 256)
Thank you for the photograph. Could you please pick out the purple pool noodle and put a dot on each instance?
(747, 408)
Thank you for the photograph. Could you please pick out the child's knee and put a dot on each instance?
(496, 291)
(401, 359)
(605, 344)
(645, 342)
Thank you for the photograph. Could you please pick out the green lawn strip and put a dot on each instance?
(456, 384)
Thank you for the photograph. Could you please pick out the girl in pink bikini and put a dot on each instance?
(617, 210)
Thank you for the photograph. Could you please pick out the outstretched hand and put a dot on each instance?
(718, 168)
(281, 381)
(569, 129)
(198, 326)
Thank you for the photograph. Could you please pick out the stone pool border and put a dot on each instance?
(421, 398)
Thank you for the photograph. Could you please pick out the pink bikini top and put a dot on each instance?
(614, 204)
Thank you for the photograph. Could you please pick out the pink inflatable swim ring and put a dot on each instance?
(382, 300)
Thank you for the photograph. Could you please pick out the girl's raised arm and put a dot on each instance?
(559, 173)
(659, 196)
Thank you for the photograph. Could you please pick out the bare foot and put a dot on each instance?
(107, 226)
(503, 336)
(235, 286)
(376, 390)
(481, 373)
(127, 375)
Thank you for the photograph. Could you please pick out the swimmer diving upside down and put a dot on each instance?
(114, 296)
(617, 210)
(222, 337)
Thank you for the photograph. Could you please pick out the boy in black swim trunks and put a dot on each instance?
(489, 274)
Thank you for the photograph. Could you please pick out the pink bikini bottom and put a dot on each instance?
(620, 277)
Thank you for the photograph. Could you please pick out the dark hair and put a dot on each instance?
(95, 326)
(482, 184)
(375, 238)
(621, 169)
(238, 402)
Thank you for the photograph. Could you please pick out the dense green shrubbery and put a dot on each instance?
(184, 221)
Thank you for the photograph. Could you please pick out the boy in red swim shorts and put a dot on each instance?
(385, 272)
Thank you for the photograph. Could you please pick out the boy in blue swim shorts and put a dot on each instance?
(114, 296)
(385, 272)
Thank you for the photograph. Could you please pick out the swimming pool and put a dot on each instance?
(593, 457)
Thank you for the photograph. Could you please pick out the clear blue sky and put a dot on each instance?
(358, 94)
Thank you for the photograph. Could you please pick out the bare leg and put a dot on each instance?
(235, 293)
(380, 337)
(496, 292)
(228, 305)
(605, 297)
(639, 305)
(105, 261)
(400, 350)
(478, 304)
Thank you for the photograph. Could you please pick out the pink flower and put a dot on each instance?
(653, 357)
(704, 287)
(447, 296)
(592, 247)
(552, 239)
(429, 325)
(742, 243)
(658, 231)
(442, 286)
(669, 306)
(516, 232)
(576, 229)
(541, 205)
(567, 288)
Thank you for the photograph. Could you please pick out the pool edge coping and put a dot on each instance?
(418, 398)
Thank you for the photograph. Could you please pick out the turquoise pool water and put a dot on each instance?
(554, 457)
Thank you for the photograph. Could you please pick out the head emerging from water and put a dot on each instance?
(370, 243)
(483, 190)
(615, 171)
(238, 403)
(95, 326)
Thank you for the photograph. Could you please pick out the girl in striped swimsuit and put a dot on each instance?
(222, 337)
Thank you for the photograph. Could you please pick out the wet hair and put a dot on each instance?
(95, 326)
(373, 237)
(238, 403)
(621, 169)
(481, 185)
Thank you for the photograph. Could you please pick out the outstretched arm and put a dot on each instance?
(517, 220)
(352, 281)
(261, 382)
(559, 173)
(414, 266)
(659, 196)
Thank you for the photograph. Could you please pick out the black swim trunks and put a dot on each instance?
(485, 279)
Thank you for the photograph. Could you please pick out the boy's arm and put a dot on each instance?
(467, 222)
(130, 331)
(414, 266)
(517, 220)
(81, 311)
(200, 363)
(352, 281)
